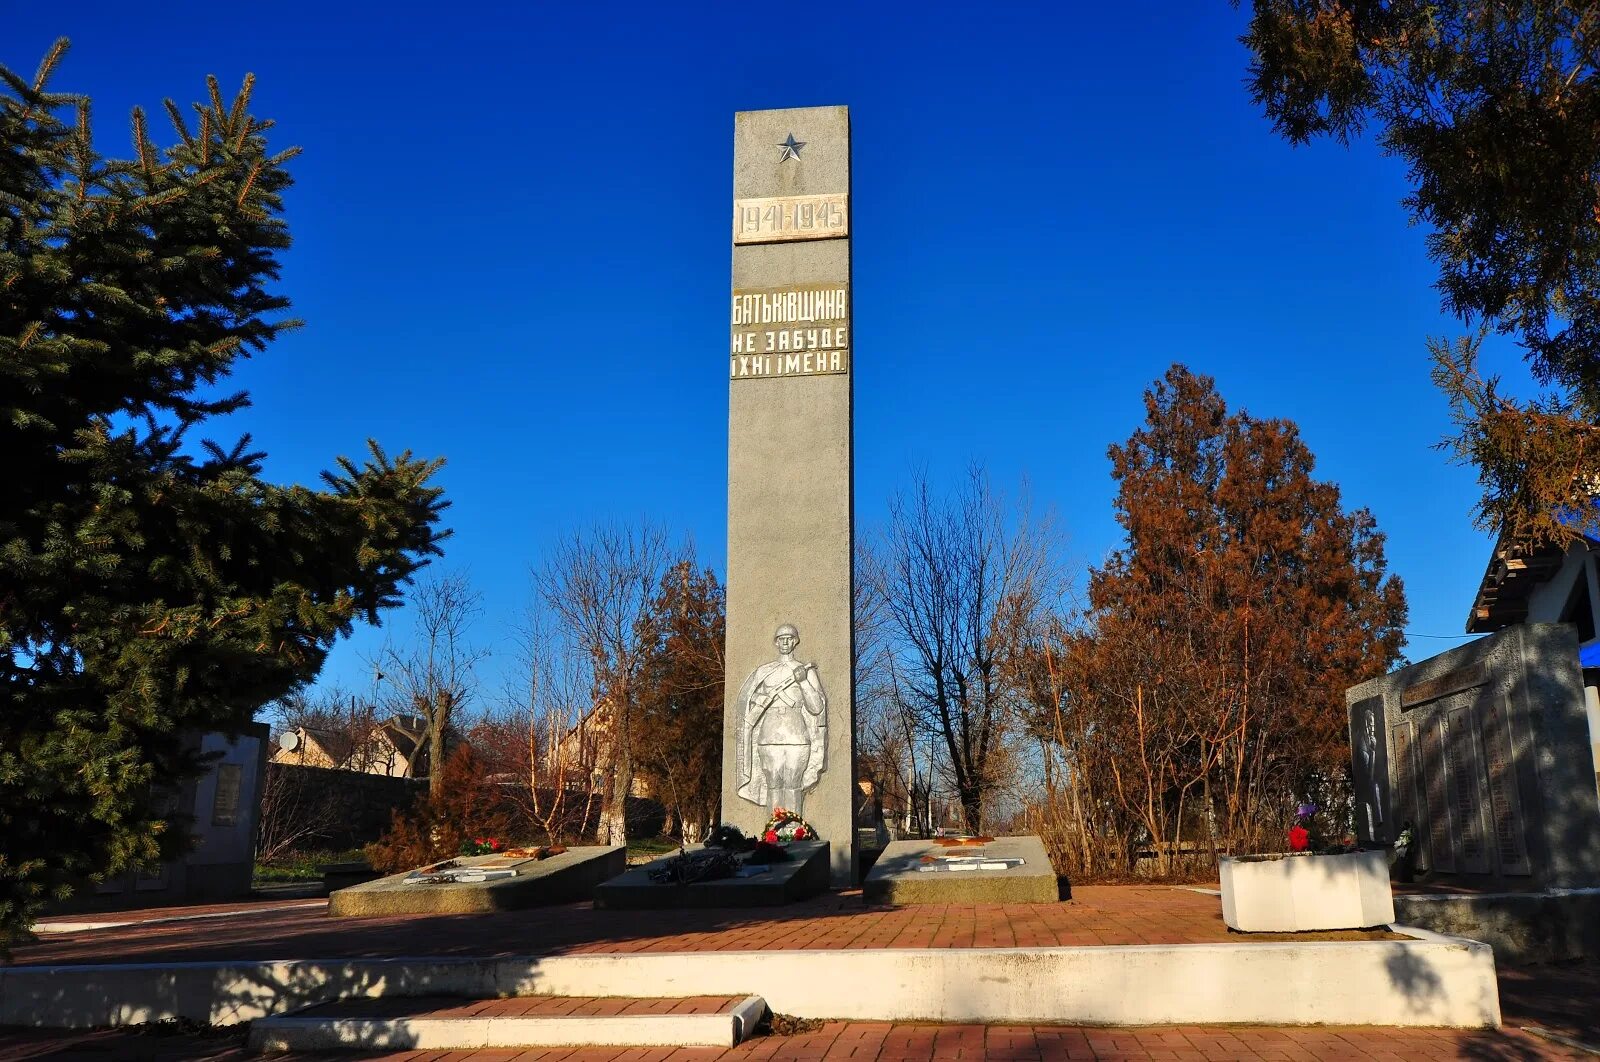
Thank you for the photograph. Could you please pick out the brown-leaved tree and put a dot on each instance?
(1206, 693)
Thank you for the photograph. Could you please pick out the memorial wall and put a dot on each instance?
(1482, 753)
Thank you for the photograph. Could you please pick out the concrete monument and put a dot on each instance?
(1482, 752)
(789, 721)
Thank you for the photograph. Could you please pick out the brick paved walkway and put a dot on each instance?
(878, 1042)
(1098, 916)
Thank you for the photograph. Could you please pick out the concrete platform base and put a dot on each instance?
(1303, 893)
(564, 878)
(460, 1029)
(1522, 927)
(806, 874)
(1425, 980)
(898, 876)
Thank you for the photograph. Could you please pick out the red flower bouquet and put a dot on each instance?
(1299, 838)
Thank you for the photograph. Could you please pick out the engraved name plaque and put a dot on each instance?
(1405, 778)
(777, 219)
(1466, 790)
(1510, 843)
(1441, 852)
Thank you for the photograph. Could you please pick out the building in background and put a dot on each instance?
(396, 747)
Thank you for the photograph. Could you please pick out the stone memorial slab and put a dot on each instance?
(767, 885)
(1507, 806)
(1490, 764)
(484, 883)
(1001, 870)
(1403, 743)
(1467, 798)
(790, 709)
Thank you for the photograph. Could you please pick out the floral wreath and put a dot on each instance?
(786, 826)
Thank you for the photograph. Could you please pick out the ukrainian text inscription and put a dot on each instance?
(802, 330)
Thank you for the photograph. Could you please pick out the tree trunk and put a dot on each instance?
(438, 720)
(614, 821)
(614, 814)
(972, 809)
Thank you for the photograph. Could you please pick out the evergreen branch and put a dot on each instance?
(141, 143)
(178, 124)
(47, 65)
(237, 116)
(204, 136)
(215, 89)
(249, 182)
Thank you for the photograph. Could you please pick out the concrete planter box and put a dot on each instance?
(1297, 893)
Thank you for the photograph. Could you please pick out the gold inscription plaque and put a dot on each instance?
(778, 219)
(800, 330)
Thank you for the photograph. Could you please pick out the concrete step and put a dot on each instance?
(452, 1023)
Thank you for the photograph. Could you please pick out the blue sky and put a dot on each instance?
(1050, 206)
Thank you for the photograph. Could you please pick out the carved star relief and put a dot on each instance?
(791, 149)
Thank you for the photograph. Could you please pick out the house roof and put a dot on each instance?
(335, 744)
(1512, 575)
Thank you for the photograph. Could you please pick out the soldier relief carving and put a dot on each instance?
(783, 731)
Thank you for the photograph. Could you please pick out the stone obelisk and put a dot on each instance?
(789, 735)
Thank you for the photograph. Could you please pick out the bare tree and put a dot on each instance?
(886, 752)
(542, 734)
(433, 676)
(600, 584)
(290, 816)
(961, 582)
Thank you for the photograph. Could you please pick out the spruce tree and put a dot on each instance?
(152, 586)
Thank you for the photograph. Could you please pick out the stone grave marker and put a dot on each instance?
(472, 884)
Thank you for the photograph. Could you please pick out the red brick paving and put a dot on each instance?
(1097, 916)
(885, 1042)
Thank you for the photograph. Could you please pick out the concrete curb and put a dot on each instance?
(1430, 980)
(65, 926)
(292, 1033)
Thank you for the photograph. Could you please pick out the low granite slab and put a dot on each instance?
(805, 874)
(899, 877)
(565, 878)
